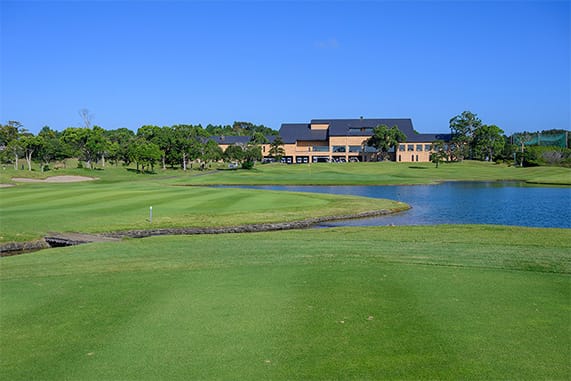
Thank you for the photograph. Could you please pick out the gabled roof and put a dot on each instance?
(418, 138)
(291, 132)
(364, 127)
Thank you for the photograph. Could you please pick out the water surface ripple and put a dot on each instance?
(499, 203)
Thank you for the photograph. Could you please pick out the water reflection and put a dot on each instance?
(502, 203)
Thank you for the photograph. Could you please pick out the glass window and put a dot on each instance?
(320, 149)
(410, 147)
(339, 148)
(419, 147)
(354, 148)
(401, 148)
(427, 147)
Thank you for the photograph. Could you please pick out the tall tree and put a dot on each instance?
(277, 150)
(51, 148)
(488, 140)
(88, 144)
(30, 144)
(120, 140)
(385, 138)
(439, 153)
(252, 153)
(9, 140)
(234, 152)
(522, 139)
(463, 127)
(212, 151)
(188, 142)
(145, 153)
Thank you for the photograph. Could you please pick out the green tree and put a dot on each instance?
(52, 147)
(212, 151)
(188, 143)
(488, 140)
(259, 138)
(252, 153)
(439, 154)
(521, 140)
(463, 127)
(234, 153)
(88, 144)
(277, 150)
(9, 141)
(145, 154)
(119, 142)
(30, 144)
(384, 139)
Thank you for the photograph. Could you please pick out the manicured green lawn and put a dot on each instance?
(385, 173)
(442, 302)
(29, 211)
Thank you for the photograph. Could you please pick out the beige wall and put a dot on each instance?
(320, 126)
(414, 152)
(304, 149)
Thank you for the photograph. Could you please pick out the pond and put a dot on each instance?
(499, 203)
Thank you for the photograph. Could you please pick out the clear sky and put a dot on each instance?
(132, 63)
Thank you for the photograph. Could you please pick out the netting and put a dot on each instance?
(539, 139)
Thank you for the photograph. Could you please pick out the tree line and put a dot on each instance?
(471, 139)
(167, 146)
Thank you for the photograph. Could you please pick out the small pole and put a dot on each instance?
(151, 215)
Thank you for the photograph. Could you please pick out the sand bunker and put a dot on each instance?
(55, 179)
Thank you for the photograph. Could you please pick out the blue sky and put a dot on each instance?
(132, 63)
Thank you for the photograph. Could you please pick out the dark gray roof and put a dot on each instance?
(363, 127)
(291, 132)
(417, 138)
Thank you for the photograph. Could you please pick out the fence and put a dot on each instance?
(538, 139)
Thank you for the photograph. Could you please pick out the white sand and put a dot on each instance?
(54, 179)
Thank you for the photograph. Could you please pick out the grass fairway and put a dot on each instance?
(385, 173)
(440, 302)
(29, 211)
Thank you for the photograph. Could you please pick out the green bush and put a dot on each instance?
(539, 155)
(248, 165)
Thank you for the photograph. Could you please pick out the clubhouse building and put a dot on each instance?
(325, 140)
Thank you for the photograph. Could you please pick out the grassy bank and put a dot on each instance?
(385, 173)
(29, 211)
(443, 302)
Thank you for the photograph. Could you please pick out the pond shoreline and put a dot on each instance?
(73, 239)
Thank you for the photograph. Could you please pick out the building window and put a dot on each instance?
(400, 158)
(401, 148)
(411, 157)
(320, 149)
(419, 148)
(416, 157)
(354, 148)
(339, 149)
(427, 147)
(410, 147)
